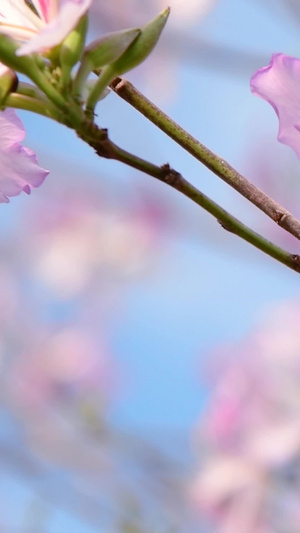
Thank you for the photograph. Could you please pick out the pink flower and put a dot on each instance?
(248, 479)
(43, 29)
(19, 170)
(279, 84)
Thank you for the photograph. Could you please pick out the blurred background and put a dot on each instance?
(150, 361)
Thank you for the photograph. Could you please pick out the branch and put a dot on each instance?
(216, 164)
(104, 147)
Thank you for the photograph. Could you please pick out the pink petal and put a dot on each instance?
(19, 170)
(279, 84)
(70, 12)
(47, 9)
(11, 129)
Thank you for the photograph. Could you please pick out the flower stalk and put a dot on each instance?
(104, 147)
(213, 162)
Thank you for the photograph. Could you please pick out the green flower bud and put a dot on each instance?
(8, 84)
(142, 46)
(102, 52)
(72, 47)
(138, 50)
(110, 47)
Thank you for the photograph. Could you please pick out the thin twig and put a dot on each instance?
(216, 164)
(104, 147)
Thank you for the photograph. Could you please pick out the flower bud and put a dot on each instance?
(137, 51)
(110, 47)
(101, 53)
(142, 46)
(72, 47)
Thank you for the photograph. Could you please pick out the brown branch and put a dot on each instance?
(98, 139)
(216, 164)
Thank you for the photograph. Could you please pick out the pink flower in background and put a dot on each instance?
(249, 477)
(59, 366)
(118, 13)
(81, 242)
(46, 27)
(279, 84)
(19, 170)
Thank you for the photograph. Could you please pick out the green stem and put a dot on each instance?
(72, 112)
(41, 107)
(86, 66)
(99, 140)
(216, 164)
(30, 90)
(105, 77)
(54, 96)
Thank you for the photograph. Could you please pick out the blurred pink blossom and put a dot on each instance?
(249, 476)
(59, 388)
(65, 271)
(80, 242)
(119, 13)
(61, 366)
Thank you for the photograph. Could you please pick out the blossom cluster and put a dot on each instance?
(38, 26)
(45, 41)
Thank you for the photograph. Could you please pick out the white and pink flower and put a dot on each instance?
(38, 25)
(43, 26)
(19, 170)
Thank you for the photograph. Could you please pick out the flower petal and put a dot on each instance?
(70, 12)
(279, 84)
(19, 170)
(15, 12)
(47, 9)
(18, 21)
(11, 130)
